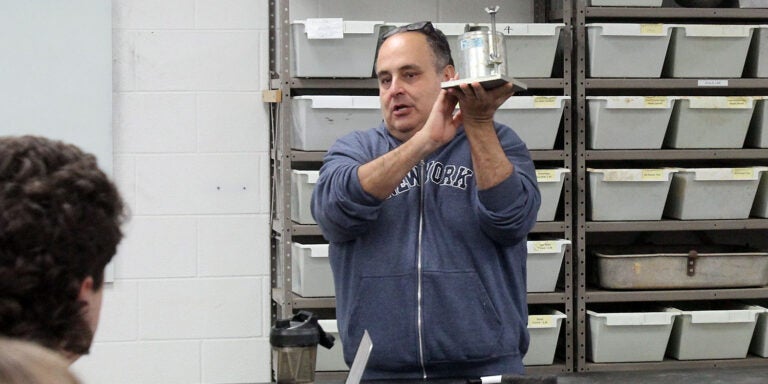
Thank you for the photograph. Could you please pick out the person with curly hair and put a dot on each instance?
(60, 219)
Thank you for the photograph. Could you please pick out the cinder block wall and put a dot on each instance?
(190, 302)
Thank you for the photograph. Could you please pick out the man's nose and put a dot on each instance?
(396, 87)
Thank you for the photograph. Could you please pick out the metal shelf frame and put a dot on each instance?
(284, 301)
(585, 294)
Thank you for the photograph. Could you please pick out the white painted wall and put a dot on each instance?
(190, 301)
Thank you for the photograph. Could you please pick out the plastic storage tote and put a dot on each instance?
(708, 50)
(312, 276)
(757, 136)
(530, 48)
(710, 122)
(626, 50)
(628, 336)
(318, 121)
(550, 186)
(544, 329)
(302, 184)
(536, 119)
(757, 59)
(759, 344)
(760, 206)
(705, 332)
(331, 359)
(712, 193)
(627, 194)
(333, 47)
(545, 259)
(628, 122)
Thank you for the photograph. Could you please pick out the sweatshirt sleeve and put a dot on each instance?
(508, 210)
(340, 206)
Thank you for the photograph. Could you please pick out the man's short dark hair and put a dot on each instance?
(435, 38)
(60, 219)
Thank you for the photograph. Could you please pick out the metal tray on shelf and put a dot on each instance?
(679, 267)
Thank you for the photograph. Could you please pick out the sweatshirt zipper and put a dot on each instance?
(418, 271)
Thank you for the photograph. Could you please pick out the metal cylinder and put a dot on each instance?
(478, 58)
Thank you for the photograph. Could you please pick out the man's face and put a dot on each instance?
(409, 83)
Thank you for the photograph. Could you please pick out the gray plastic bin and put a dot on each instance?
(536, 119)
(318, 121)
(760, 206)
(626, 50)
(550, 186)
(757, 60)
(759, 344)
(710, 122)
(302, 184)
(628, 336)
(702, 331)
(544, 330)
(545, 259)
(627, 194)
(708, 50)
(712, 193)
(757, 136)
(311, 275)
(628, 122)
(333, 48)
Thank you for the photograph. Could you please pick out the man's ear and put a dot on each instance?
(448, 72)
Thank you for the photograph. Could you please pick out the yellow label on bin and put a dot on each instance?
(652, 29)
(545, 175)
(545, 102)
(545, 246)
(736, 102)
(541, 321)
(653, 175)
(743, 173)
(655, 101)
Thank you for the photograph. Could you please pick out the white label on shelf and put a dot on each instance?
(545, 102)
(332, 28)
(737, 102)
(655, 101)
(653, 175)
(713, 83)
(546, 175)
(744, 173)
(652, 29)
(541, 321)
(545, 246)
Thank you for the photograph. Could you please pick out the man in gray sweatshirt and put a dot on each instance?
(427, 217)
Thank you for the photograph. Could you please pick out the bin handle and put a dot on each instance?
(691, 263)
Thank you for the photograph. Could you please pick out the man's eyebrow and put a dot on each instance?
(407, 67)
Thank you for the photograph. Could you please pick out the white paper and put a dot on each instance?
(325, 28)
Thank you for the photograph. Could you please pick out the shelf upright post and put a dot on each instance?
(567, 39)
(279, 52)
(580, 175)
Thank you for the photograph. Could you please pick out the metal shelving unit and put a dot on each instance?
(585, 293)
(284, 301)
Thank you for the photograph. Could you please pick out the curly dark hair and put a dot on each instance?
(60, 219)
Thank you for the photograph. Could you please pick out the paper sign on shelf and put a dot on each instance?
(331, 28)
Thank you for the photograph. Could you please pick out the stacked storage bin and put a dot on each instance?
(544, 329)
(334, 47)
